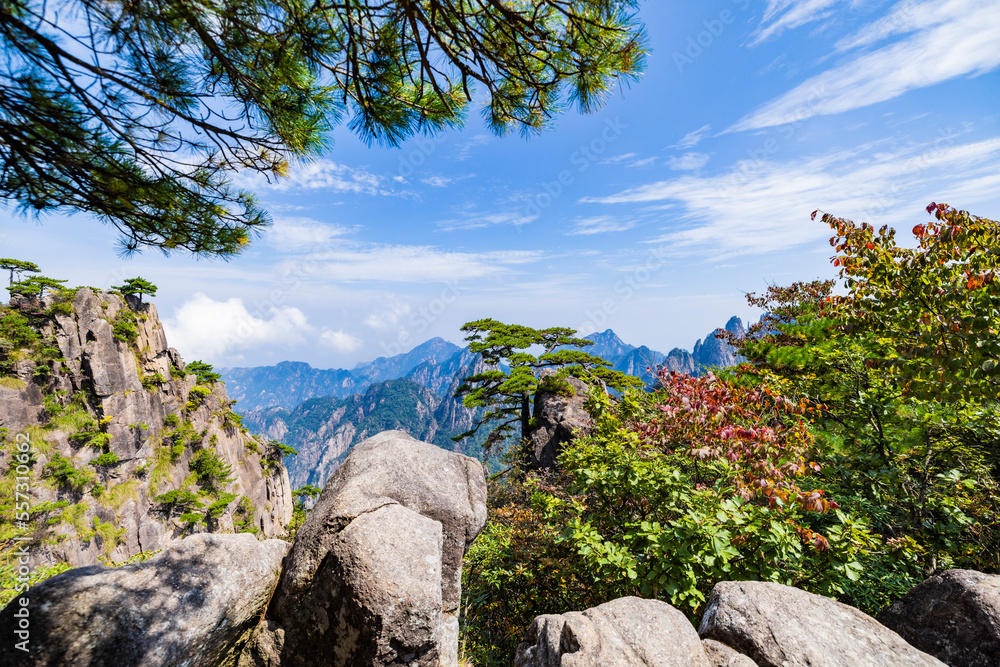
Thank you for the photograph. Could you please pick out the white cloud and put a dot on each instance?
(339, 341)
(300, 233)
(389, 318)
(960, 39)
(437, 181)
(618, 159)
(601, 224)
(352, 262)
(465, 150)
(219, 331)
(688, 162)
(442, 181)
(475, 220)
(760, 207)
(782, 15)
(322, 174)
(693, 138)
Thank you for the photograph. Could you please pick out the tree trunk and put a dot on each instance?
(525, 415)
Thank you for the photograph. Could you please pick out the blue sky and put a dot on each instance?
(652, 217)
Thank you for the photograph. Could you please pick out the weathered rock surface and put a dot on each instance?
(954, 616)
(194, 604)
(627, 632)
(720, 655)
(558, 419)
(781, 626)
(374, 576)
(128, 391)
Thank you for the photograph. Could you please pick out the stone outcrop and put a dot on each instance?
(194, 604)
(627, 632)
(104, 390)
(374, 575)
(720, 655)
(954, 616)
(781, 626)
(558, 418)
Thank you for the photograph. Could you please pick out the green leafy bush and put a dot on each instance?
(700, 482)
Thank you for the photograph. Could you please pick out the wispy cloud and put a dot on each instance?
(782, 15)
(693, 138)
(323, 174)
(340, 341)
(443, 181)
(297, 233)
(960, 38)
(688, 162)
(601, 224)
(478, 220)
(465, 150)
(762, 207)
(413, 264)
(629, 160)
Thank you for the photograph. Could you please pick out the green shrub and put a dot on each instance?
(106, 460)
(125, 330)
(203, 372)
(178, 500)
(211, 470)
(196, 397)
(243, 517)
(675, 491)
(65, 474)
(219, 506)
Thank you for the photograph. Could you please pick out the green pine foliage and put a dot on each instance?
(182, 96)
(506, 395)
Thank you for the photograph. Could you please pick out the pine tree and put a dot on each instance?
(507, 394)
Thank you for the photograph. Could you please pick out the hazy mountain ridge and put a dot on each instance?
(289, 383)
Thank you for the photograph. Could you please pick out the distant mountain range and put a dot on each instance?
(324, 412)
(434, 364)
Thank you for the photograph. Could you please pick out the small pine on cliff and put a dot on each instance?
(110, 447)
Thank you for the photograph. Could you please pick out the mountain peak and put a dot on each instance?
(735, 326)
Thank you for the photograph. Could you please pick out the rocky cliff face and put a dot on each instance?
(123, 450)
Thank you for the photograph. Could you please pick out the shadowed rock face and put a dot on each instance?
(558, 420)
(374, 576)
(627, 632)
(194, 604)
(954, 616)
(781, 626)
(720, 655)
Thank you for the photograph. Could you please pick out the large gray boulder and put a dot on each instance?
(720, 655)
(954, 616)
(374, 575)
(781, 626)
(558, 419)
(194, 604)
(627, 632)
